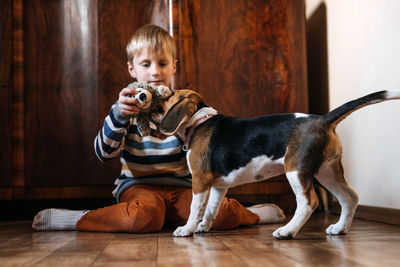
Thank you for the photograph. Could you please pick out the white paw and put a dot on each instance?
(182, 231)
(203, 227)
(283, 233)
(164, 91)
(335, 229)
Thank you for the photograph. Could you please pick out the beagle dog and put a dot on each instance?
(224, 152)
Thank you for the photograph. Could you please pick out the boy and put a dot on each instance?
(153, 189)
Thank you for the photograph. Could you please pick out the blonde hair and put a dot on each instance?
(152, 38)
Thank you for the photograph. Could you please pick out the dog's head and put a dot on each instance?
(178, 109)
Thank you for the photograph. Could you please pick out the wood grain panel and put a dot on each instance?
(74, 67)
(18, 178)
(246, 57)
(56, 192)
(6, 92)
(61, 92)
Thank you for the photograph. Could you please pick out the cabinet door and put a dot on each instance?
(6, 93)
(69, 66)
(247, 58)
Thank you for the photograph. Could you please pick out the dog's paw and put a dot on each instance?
(336, 229)
(182, 231)
(203, 227)
(163, 91)
(283, 233)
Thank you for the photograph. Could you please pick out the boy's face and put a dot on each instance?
(155, 69)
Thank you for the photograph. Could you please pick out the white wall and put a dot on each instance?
(364, 56)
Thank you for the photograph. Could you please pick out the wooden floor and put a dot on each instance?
(367, 244)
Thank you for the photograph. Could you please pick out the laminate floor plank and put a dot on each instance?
(367, 244)
(200, 250)
(140, 250)
(256, 253)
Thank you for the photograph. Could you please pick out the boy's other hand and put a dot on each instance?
(127, 103)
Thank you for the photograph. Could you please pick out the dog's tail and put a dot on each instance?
(338, 114)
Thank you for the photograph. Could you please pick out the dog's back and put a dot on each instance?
(224, 152)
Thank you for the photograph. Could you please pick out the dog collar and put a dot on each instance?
(201, 116)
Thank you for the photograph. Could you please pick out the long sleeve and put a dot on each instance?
(108, 141)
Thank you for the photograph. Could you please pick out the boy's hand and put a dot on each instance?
(127, 103)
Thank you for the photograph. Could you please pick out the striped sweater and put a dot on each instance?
(145, 160)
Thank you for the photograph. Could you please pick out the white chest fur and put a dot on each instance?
(258, 169)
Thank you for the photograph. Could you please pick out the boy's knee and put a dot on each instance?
(145, 217)
(228, 215)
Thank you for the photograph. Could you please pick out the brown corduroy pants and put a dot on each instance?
(146, 209)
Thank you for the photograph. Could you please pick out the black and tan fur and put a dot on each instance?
(224, 152)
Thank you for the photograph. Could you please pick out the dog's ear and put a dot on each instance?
(177, 115)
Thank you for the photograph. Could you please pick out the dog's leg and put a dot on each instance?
(307, 202)
(331, 176)
(197, 209)
(216, 197)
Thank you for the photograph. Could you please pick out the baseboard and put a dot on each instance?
(377, 214)
(11, 210)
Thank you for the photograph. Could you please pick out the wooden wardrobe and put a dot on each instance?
(63, 64)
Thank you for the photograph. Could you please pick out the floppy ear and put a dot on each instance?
(177, 115)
